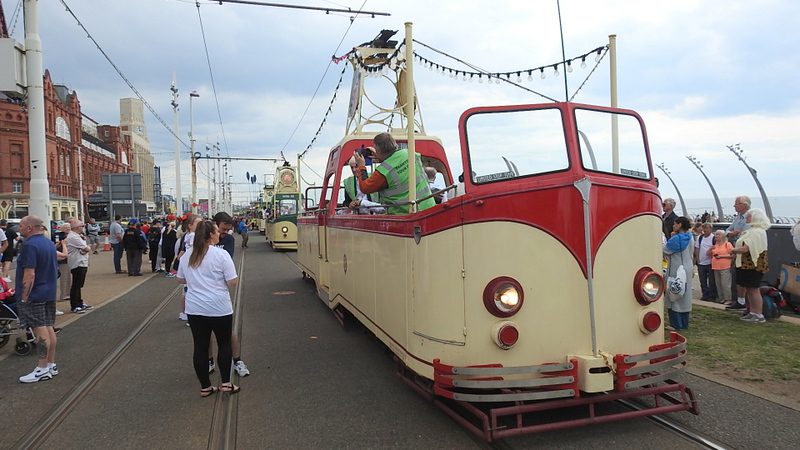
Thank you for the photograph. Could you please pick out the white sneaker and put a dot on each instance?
(38, 374)
(241, 369)
(211, 366)
(183, 316)
(59, 312)
(7, 279)
(54, 370)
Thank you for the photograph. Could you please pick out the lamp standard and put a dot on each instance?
(699, 166)
(680, 197)
(736, 150)
(178, 202)
(192, 95)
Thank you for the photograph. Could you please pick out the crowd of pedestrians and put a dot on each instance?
(731, 261)
(56, 269)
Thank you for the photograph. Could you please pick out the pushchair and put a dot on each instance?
(10, 324)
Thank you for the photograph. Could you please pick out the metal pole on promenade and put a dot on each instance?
(699, 166)
(736, 150)
(178, 199)
(39, 201)
(192, 95)
(81, 210)
(208, 182)
(680, 197)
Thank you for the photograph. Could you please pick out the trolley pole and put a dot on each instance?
(612, 51)
(699, 166)
(39, 200)
(409, 110)
(680, 197)
(737, 150)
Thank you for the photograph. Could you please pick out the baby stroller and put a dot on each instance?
(10, 325)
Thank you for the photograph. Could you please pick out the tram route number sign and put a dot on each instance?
(494, 177)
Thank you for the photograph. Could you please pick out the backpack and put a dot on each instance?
(773, 302)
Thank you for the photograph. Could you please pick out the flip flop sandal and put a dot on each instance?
(208, 391)
(230, 388)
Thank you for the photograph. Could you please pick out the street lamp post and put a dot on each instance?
(192, 95)
(737, 150)
(178, 202)
(699, 166)
(680, 197)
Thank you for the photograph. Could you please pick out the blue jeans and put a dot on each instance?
(117, 256)
(678, 320)
(707, 285)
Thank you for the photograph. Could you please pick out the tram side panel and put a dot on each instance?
(308, 249)
(374, 285)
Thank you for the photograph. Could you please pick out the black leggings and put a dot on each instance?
(202, 326)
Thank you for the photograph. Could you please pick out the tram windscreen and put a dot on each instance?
(512, 144)
(596, 140)
(287, 206)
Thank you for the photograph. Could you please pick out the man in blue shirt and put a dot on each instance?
(36, 276)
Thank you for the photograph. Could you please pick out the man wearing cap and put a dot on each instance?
(224, 223)
(78, 262)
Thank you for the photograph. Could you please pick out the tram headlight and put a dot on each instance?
(284, 230)
(503, 297)
(648, 286)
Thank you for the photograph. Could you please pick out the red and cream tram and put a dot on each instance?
(536, 286)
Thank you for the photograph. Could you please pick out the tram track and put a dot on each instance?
(224, 421)
(223, 429)
(43, 428)
(676, 428)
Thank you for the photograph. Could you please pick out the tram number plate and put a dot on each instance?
(633, 173)
(494, 177)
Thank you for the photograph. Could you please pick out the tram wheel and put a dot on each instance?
(23, 348)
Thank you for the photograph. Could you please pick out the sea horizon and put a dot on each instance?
(787, 206)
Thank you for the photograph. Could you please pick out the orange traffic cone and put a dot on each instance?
(106, 244)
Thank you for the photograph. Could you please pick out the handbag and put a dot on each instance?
(677, 285)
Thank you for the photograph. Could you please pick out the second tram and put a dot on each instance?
(281, 219)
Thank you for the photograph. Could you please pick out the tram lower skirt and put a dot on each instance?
(491, 421)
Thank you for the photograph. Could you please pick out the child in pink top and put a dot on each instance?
(721, 260)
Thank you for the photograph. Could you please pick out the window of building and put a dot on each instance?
(68, 164)
(61, 164)
(16, 187)
(62, 129)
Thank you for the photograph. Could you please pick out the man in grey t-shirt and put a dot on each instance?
(115, 231)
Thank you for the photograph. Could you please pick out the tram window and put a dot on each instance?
(287, 206)
(512, 144)
(595, 140)
(312, 197)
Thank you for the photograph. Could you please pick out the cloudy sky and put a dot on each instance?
(703, 74)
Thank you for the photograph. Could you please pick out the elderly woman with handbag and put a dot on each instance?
(679, 251)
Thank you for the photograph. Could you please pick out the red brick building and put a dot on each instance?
(70, 137)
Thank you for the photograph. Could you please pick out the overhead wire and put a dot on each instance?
(122, 75)
(327, 68)
(213, 84)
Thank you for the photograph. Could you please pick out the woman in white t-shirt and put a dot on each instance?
(208, 271)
